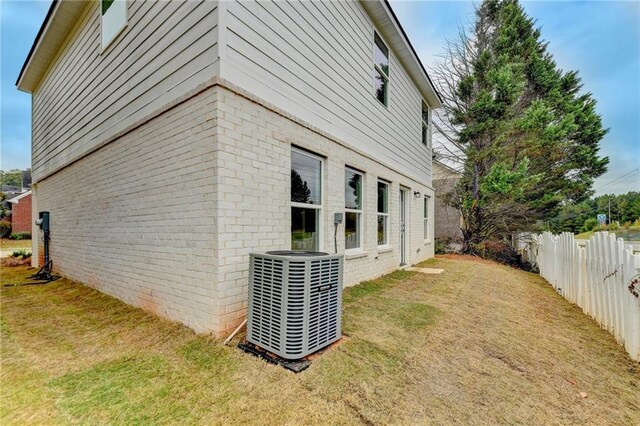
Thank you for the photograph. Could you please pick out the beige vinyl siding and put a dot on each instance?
(315, 61)
(87, 95)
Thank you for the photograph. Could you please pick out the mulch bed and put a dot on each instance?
(9, 262)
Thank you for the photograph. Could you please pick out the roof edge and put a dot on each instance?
(446, 166)
(36, 42)
(413, 50)
(15, 200)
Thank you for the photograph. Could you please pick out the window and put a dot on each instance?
(353, 209)
(306, 200)
(113, 19)
(381, 70)
(425, 124)
(427, 200)
(383, 213)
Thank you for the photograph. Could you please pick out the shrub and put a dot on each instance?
(589, 224)
(20, 236)
(21, 253)
(614, 226)
(442, 245)
(5, 228)
(502, 252)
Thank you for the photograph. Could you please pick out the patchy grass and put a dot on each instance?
(6, 244)
(480, 343)
(585, 235)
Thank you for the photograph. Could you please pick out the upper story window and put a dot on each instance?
(425, 124)
(381, 70)
(306, 200)
(353, 209)
(113, 19)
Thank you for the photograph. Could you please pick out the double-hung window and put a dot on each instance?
(113, 18)
(381, 70)
(427, 200)
(306, 200)
(425, 124)
(353, 209)
(383, 213)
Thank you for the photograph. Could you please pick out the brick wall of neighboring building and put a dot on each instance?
(21, 215)
(447, 218)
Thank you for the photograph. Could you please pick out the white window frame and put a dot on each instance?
(377, 68)
(425, 125)
(385, 215)
(360, 215)
(318, 207)
(426, 217)
(112, 13)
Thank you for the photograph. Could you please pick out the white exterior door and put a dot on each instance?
(403, 226)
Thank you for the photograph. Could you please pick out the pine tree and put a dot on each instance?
(300, 191)
(528, 136)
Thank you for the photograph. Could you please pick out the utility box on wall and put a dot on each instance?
(295, 302)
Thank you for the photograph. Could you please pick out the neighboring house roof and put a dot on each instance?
(17, 198)
(62, 16)
(11, 189)
(10, 196)
(447, 168)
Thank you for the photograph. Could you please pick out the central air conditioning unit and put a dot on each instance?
(295, 302)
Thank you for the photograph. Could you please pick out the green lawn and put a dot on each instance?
(630, 234)
(6, 244)
(478, 344)
(585, 235)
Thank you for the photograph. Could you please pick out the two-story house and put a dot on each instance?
(171, 139)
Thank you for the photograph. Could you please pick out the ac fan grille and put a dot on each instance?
(267, 301)
(323, 305)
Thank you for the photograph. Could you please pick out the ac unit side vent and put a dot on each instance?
(295, 302)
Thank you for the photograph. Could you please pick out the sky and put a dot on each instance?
(19, 24)
(600, 39)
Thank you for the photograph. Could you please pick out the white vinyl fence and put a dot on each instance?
(601, 277)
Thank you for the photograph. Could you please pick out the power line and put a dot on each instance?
(622, 177)
(618, 179)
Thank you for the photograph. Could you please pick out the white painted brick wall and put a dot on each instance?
(165, 217)
(255, 153)
(136, 219)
